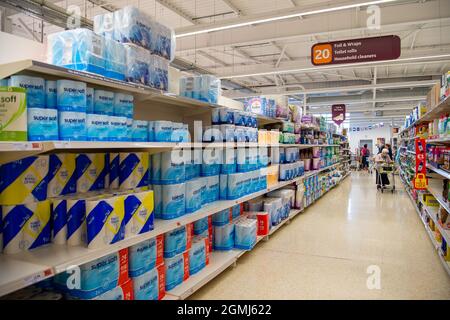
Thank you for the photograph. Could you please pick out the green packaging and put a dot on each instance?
(13, 114)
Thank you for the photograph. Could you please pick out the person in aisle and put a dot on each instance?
(389, 147)
(365, 153)
(382, 158)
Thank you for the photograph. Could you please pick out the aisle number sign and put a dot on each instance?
(420, 180)
(356, 50)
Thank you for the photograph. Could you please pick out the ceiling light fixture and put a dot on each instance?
(282, 17)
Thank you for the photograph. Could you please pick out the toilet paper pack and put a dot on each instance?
(50, 94)
(145, 256)
(89, 100)
(13, 114)
(198, 254)
(172, 167)
(118, 130)
(97, 276)
(157, 196)
(97, 127)
(104, 102)
(177, 241)
(140, 131)
(72, 126)
(202, 225)
(223, 187)
(177, 270)
(213, 189)
(115, 59)
(62, 175)
(224, 237)
(123, 105)
(59, 220)
(134, 170)
(76, 221)
(121, 292)
(91, 170)
(71, 95)
(173, 201)
(150, 285)
(137, 65)
(26, 226)
(163, 131)
(113, 172)
(222, 218)
(35, 89)
(104, 221)
(274, 206)
(156, 168)
(245, 231)
(138, 217)
(194, 195)
(42, 124)
(24, 180)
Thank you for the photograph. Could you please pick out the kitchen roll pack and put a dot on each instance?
(134, 170)
(76, 221)
(26, 226)
(145, 256)
(62, 175)
(24, 180)
(104, 221)
(138, 217)
(91, 171)
(13, 114)
(59, 220)
(113, 172)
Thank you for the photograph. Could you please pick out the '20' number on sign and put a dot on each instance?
(322, 54)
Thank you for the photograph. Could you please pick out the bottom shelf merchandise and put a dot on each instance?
(177, 263)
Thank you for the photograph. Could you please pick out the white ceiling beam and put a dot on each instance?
(395, 17)
(167, 4)
(394, 85)
(367, 101)
(295, 66)
(233, 7)
(212, 58)
(28, 29)
(406, 108)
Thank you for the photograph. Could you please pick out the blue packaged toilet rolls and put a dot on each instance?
(198, 254)
(245, 234)
(115, 59)
(177, 270)
(224, 237)
(97, 127)
(173, 201)
(157, 193)
(194, 195)
(156, 168)
(200, 226)
(72, 126)
(137, 65)
(223, 187)
(104, 102)
(176, 241)
(150, 285)
(222, 218)
(50, 94)
(35, 88)
(118, 130)
(123, 105)
(140, 131)
(172, 167)
(151, 131)
(163, 131)
(145, 256)
(213, 188)
(42, 124)
(71, 95)
(89, 100)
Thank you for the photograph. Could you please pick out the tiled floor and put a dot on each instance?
(326, 251)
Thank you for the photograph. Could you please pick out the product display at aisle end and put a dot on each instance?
(429, 123)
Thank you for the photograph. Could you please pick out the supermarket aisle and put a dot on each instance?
(325, 252)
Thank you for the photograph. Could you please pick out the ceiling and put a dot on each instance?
(273, 57)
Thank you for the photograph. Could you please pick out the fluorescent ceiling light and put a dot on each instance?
(282, 17)
(336, 66)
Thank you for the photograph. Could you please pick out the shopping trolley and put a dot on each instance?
(371, 165)
(384, 170)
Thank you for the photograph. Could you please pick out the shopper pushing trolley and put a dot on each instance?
(384, 166)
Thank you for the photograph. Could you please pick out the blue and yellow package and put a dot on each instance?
(104, 221)
(76, 221)
(24, 180)
(134, 170)
(113, 170)
(59, 220)
(138, 213)
(26, 226)
(145, 256)
(91, 170)
(62, 177)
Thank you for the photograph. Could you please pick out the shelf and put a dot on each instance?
(435, 188)
(439, 141)
(440, 109)
(432, 213)
(441, 172)
(411, 152)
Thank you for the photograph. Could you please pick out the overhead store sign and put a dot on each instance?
(338, 113)
(356, 50)
(420, 180)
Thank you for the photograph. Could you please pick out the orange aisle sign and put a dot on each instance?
(420, 181)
